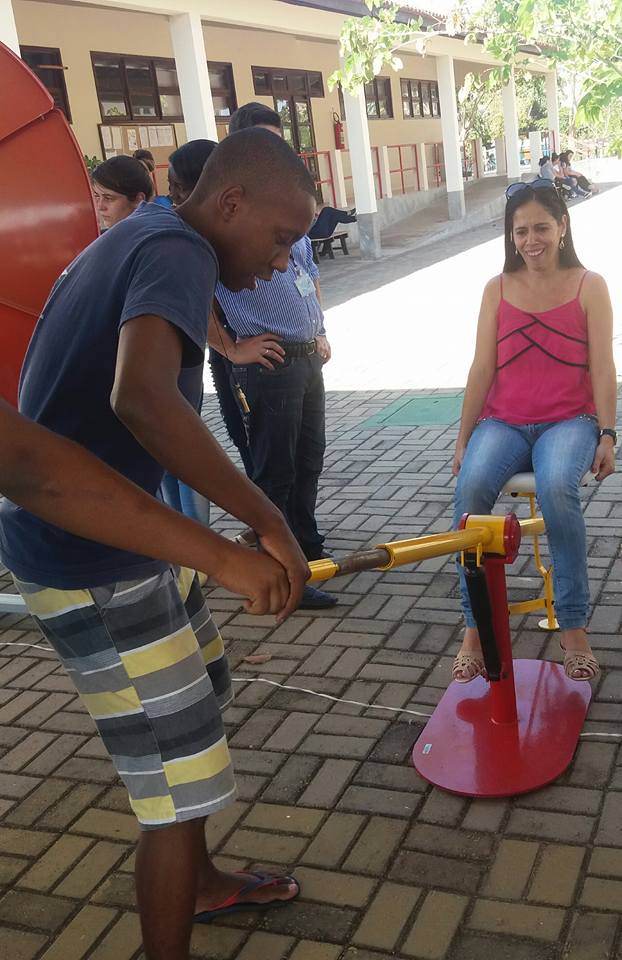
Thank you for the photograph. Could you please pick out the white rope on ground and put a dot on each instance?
(35, 646)
(328, 696)
(314, 693)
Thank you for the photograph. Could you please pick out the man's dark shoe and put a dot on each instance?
(314, 599)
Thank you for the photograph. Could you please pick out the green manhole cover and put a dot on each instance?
(436, 409)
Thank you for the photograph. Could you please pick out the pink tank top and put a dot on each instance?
(542, 364)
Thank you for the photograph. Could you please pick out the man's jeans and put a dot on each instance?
(286, 439)
(184, 499)
(559, 454)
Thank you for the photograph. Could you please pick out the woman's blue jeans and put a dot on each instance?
(184, 499)
(559, 454)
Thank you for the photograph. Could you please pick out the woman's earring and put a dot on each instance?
(516, 252)
(562, 243)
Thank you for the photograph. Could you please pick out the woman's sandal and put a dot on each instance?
(468, 666)
(578, 661)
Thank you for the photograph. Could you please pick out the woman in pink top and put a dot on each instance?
(541, 396)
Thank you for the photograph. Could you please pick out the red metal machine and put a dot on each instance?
(518, 730)
(46, 209)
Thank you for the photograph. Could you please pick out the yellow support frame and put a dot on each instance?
(547, 600)
(482, 533)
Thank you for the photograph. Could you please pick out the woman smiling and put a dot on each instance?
(541, 396)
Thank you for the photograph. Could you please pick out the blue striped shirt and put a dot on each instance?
(276, 306)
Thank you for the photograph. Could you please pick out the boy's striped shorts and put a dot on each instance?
(149, 664)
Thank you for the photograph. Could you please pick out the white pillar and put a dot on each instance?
(500, 156)
(451, 139)
(385, 171)
(535, 149)
(479, 162)
(362, 175)
(552, 109)
(193, 77)
(510, 125)
(339, 181)
(422, 167)
(8, 27)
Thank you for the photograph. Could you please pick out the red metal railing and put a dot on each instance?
(437, 165)
(311, 159)
(375, 152)
(401, 168)
(375, 163)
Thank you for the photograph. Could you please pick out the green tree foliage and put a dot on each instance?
(368, 43)
(583, 37)
(480, 112)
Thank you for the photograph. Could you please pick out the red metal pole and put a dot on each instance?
(375, 149)
(332, 178)
(502, 692)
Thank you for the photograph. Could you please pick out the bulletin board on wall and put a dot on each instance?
(160, 138)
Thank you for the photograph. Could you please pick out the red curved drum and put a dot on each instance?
(46, 213)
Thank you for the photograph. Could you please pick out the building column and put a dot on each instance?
(362, 175)
(385, 171)
(339, 181)
(535, 149)
(422, 167)
(510, 126)
(479, 160)
(451, 139)
(552, 109)
(191, 63)
(8, 27)
(500, 156)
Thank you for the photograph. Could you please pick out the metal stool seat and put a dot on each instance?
(524, 485)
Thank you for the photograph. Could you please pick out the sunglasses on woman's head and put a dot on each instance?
(540, 183)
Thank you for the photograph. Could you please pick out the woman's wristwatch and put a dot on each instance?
(608, 432)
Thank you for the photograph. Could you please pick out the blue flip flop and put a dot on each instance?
(233, 904)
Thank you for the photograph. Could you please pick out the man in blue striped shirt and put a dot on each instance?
(285, 423)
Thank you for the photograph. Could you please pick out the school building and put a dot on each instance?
(155, 73)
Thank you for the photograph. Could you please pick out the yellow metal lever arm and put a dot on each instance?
(385, 556)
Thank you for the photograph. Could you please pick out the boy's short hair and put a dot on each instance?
(259, 161)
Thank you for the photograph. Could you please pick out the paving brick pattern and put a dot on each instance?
(390, 867)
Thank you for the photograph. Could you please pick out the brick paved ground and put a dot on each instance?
(389, 866)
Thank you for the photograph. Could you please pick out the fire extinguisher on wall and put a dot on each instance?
(340, 139)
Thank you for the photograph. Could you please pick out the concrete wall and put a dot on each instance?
(76, 30)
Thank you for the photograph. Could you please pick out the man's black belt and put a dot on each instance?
(304, 348)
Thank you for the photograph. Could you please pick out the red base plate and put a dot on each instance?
(461, 750)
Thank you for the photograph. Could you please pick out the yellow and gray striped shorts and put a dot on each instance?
(149, 664)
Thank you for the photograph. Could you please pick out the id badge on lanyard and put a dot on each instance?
(304, 284)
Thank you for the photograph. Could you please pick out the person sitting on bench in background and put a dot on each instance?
(327, 220)
(582, 183)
